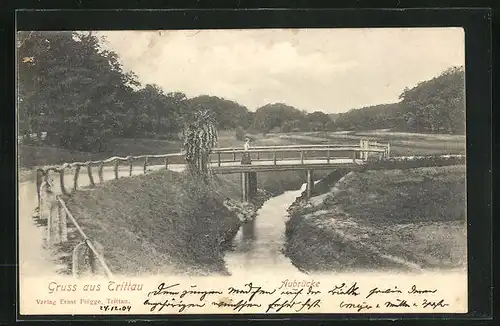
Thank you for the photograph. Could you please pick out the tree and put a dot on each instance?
(200, 136)
(72, 89)
(228, 114)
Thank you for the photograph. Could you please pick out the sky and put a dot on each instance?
(330, 70)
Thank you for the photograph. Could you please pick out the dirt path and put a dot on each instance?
(34, 259)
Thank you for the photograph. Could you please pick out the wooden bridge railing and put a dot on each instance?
(301, 152)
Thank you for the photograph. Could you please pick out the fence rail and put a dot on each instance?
(86, 240)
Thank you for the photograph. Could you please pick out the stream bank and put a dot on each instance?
(411, 219)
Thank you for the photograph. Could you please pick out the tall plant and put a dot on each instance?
(200, 136)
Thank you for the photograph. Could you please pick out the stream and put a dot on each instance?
(258, 245)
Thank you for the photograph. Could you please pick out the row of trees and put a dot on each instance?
(433, 106)
(77, 92)
(285, 118)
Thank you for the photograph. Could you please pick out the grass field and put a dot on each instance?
(401, 143)
(367, 219)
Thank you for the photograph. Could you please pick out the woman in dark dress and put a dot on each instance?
(245, 159)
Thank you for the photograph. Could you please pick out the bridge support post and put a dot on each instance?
(248, 185)
(310, 183)
(244, 186)
(252, 184)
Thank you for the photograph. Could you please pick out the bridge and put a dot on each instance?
(306, 158)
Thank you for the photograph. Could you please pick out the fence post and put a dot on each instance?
(274, 158)
(39, 179)
(101, 177)
(93, 260)
(130, 166)
(116, 168)
(75, 178)
(166, 162)
(50, 210)
(301, 157)
(61, 182)
(218, 159)
(234, 155)
(144, 168)
(63, 222)
(328, 156)
(78, 253)
(89, 172)
(388, 150)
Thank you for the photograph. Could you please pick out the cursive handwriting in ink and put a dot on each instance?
(397, 304)
(202, 294)
(180, 305)
(415, 290)
(385, 291)
(295, 293)
(343, 290)
(279, 305)
(313, 292)
(309, 304)
(250, 289)
(358, 306)
(239, 306)
(434, 304)
(164, 289)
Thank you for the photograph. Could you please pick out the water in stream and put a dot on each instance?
(257, 247)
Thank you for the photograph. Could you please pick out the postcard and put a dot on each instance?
(252, 171)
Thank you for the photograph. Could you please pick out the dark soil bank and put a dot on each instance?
(389, 219)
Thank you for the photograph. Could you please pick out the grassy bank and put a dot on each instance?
(386, 219)
(161, 222)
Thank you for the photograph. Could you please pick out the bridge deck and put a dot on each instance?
(285, 165)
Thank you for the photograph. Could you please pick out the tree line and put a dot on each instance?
(78, 93)
(433, 106)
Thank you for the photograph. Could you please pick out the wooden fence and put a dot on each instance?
(52, 207)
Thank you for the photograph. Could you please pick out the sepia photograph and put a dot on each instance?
(242, 171)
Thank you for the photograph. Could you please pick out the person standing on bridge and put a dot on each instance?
(245, 159)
